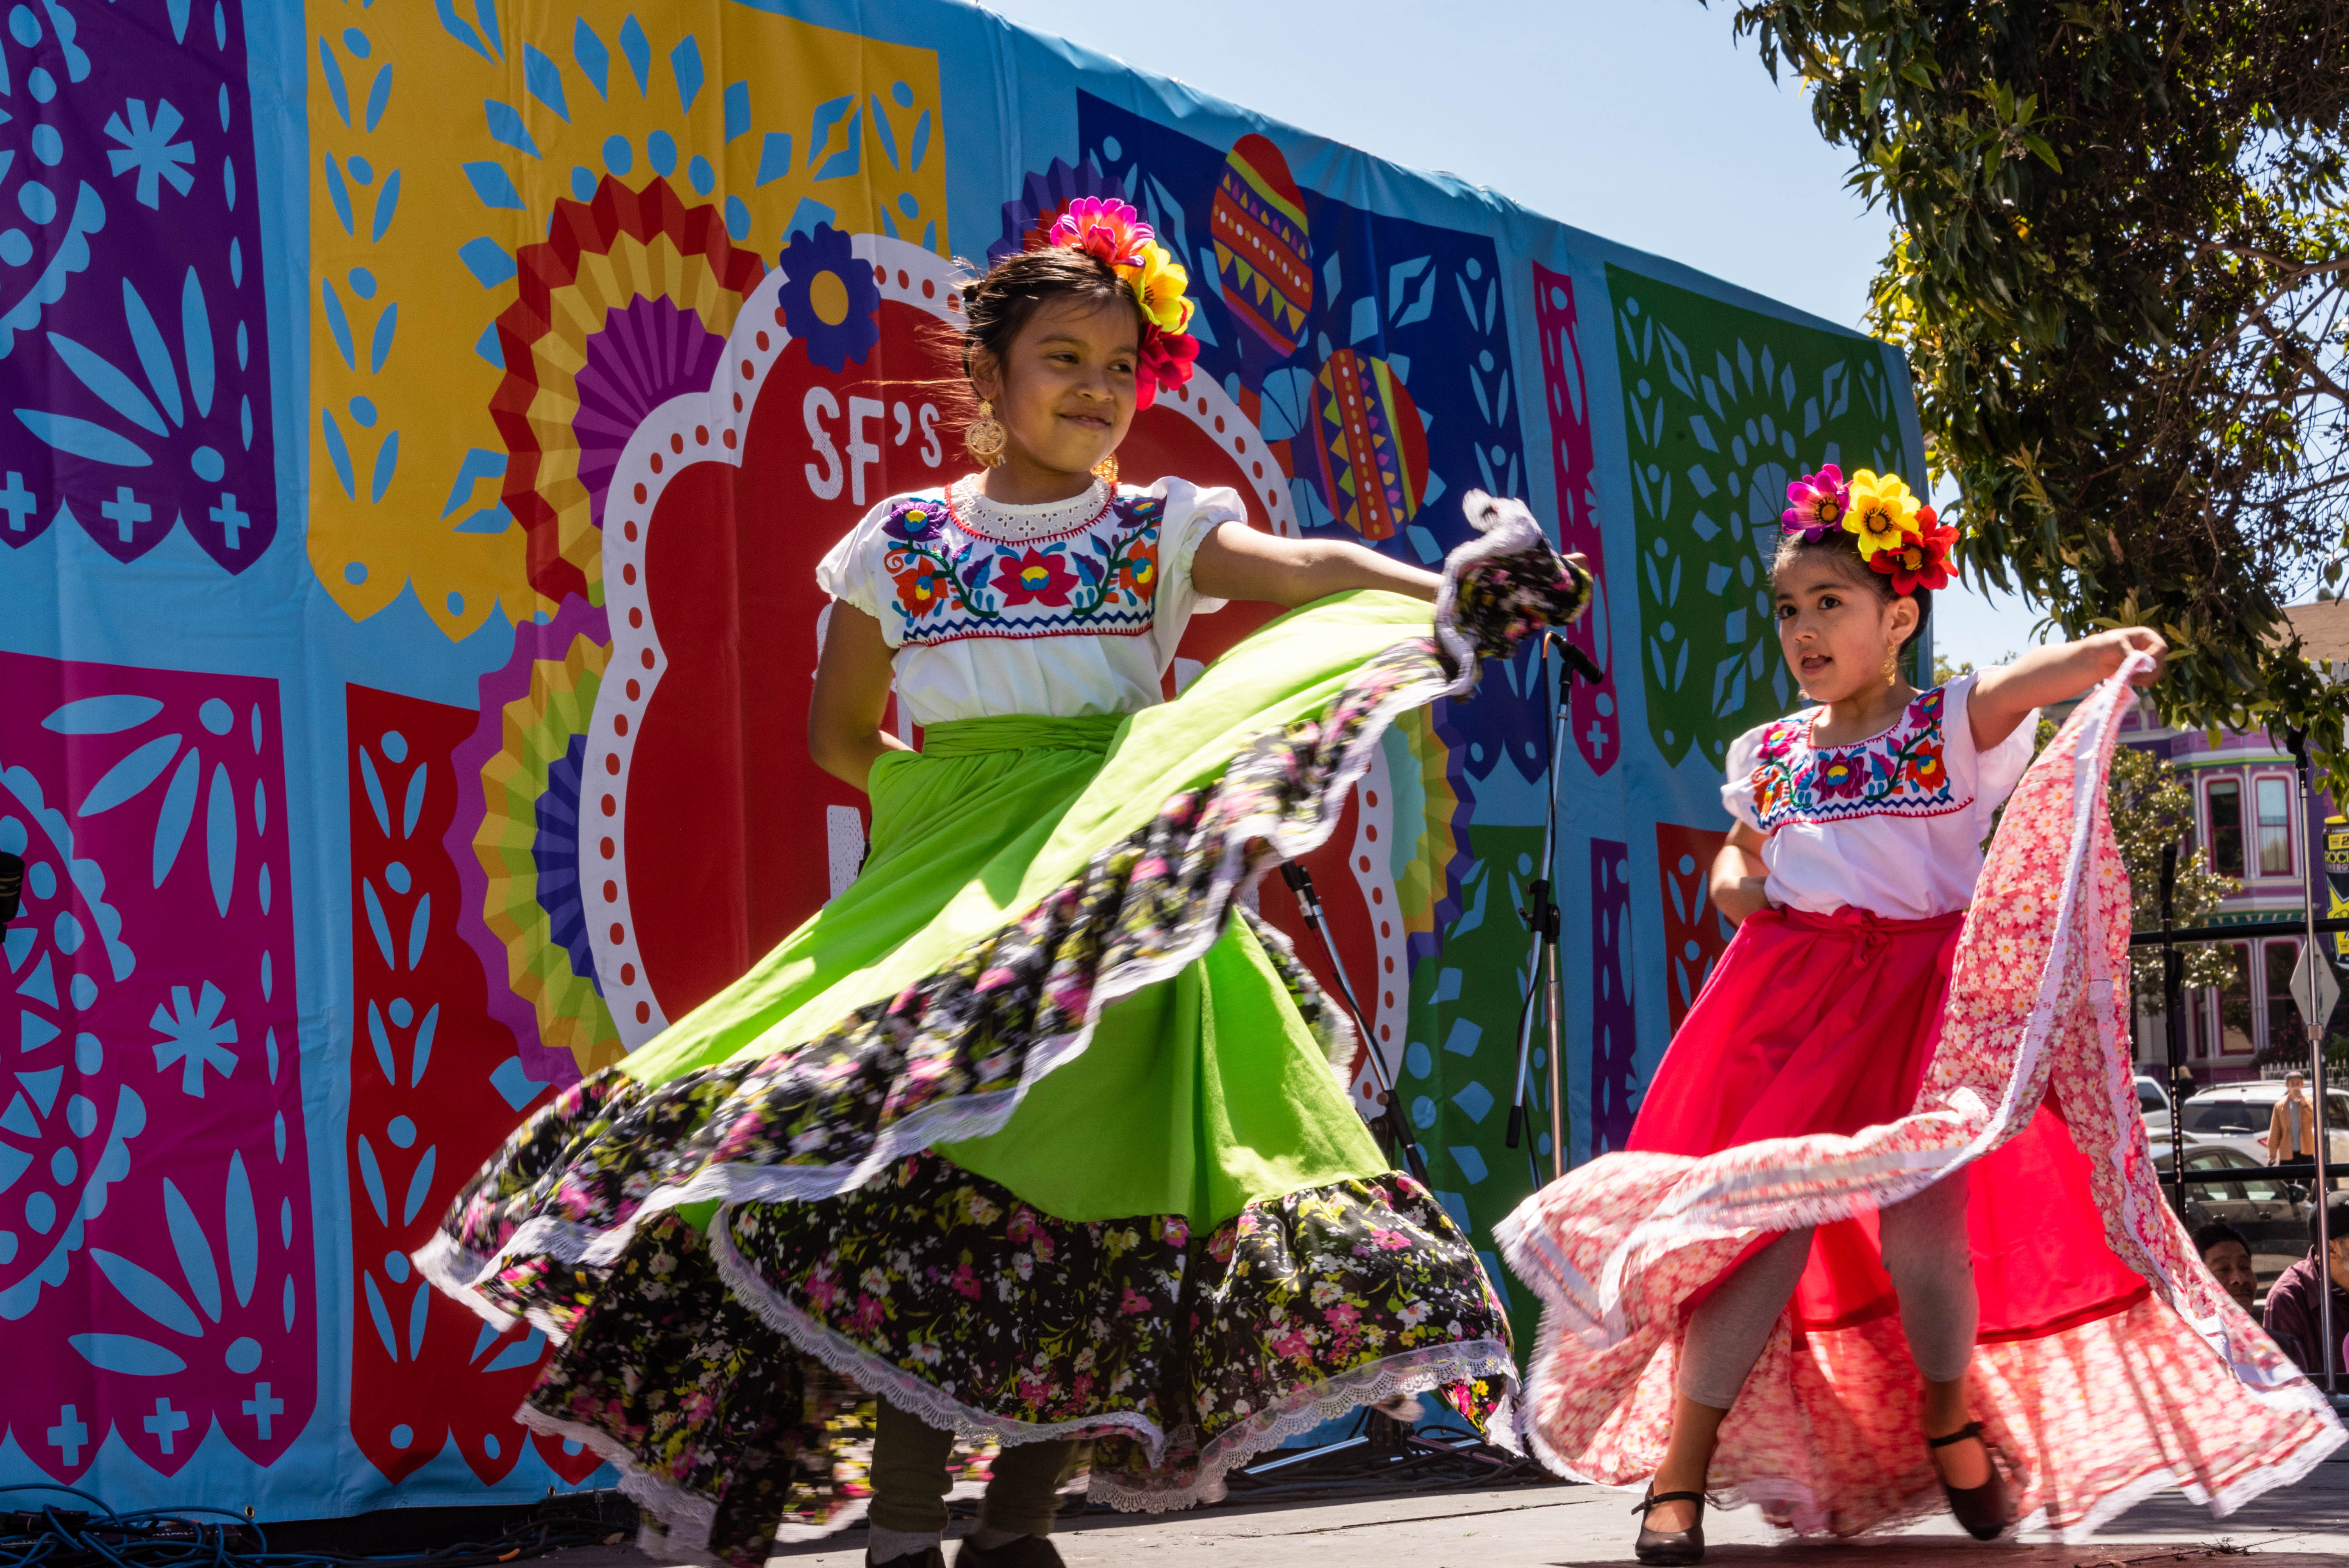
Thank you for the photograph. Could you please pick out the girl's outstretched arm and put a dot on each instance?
(1237, 561)
(1738, 875)
(2007, 692)
(852, 691)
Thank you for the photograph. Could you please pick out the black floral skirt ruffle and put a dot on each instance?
(1176, 1354)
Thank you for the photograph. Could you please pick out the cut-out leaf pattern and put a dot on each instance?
(1724, 406)
(420, 1361)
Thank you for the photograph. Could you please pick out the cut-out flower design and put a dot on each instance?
(829, 299)
(195, 1037)
(146, 146)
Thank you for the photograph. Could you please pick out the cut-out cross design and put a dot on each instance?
(1596, 736)
(261, 1406)
(19, 503)
(70, 1434)
(124, 511)
(165, 1422)
(231, 520)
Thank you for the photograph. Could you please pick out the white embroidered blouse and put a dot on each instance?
(1066, 609)
(1893, 824)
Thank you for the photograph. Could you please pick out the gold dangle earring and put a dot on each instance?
(1891, 666)
(1105, 470)
(986, 437)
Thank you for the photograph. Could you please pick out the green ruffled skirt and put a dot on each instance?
(1033, 1131)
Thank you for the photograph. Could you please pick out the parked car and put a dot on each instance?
(2153, 1103)
(2237, 1115)
(2265, 1209)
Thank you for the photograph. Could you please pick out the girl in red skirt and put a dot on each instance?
(1780, 1286)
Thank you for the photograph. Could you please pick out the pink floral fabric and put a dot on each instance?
(2173, 1387)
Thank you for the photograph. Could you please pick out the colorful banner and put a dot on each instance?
(419, 426)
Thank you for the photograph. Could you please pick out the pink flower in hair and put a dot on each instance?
(1101, 227)
(1819, 502)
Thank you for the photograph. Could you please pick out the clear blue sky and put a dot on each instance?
(1642, 120)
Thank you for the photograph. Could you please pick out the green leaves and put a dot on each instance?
(2120, 270)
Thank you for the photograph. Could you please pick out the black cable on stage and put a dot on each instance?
(193, 1536)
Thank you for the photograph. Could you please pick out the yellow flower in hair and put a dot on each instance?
(1882, 510)
(1161, 285)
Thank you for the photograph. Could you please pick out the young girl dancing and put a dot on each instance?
(1032, 1132)
(1846, 1128)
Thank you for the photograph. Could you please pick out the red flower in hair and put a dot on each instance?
(1920, 560)
(1166, 361)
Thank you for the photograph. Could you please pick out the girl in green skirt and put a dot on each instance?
(1033, 1133)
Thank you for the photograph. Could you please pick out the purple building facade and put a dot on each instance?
(2250, 821)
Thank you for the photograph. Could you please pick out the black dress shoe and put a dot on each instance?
(1670, 1546)
(928, 1557)
(1980, 1508)
(1027, 1552)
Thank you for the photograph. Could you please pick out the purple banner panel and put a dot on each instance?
(156, 1275)
(1614, 1035)
(134, 366)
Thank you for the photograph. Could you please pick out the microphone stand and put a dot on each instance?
(1391, 1114)
(1542, 920)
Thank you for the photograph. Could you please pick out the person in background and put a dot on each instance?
(2293, 1318)
(2291, 1129)
(2228, 1256)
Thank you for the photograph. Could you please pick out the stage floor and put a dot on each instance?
(1535, 1527)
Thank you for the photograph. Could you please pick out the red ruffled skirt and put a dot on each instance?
(1827, 1023)
(1835, 1066)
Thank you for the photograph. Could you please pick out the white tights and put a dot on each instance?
(1932, 1270)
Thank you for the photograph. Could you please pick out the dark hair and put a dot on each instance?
(995, 304)
(1843, 547)
(2211, 1235)
(2337, 1217)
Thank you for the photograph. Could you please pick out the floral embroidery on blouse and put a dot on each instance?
(1899, 773)
(1098, 579)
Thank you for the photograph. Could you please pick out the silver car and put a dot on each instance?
(2237, 1115)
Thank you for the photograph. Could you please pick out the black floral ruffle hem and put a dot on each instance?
(1177, 1354)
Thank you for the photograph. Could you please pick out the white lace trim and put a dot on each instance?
(1005, 524)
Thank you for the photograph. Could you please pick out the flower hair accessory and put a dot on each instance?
(1897, 535)
(1818, 503)
(1114, 232)
(1882, 511)
(1921, 559)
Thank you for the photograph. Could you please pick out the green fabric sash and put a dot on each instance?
(1022, 732)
